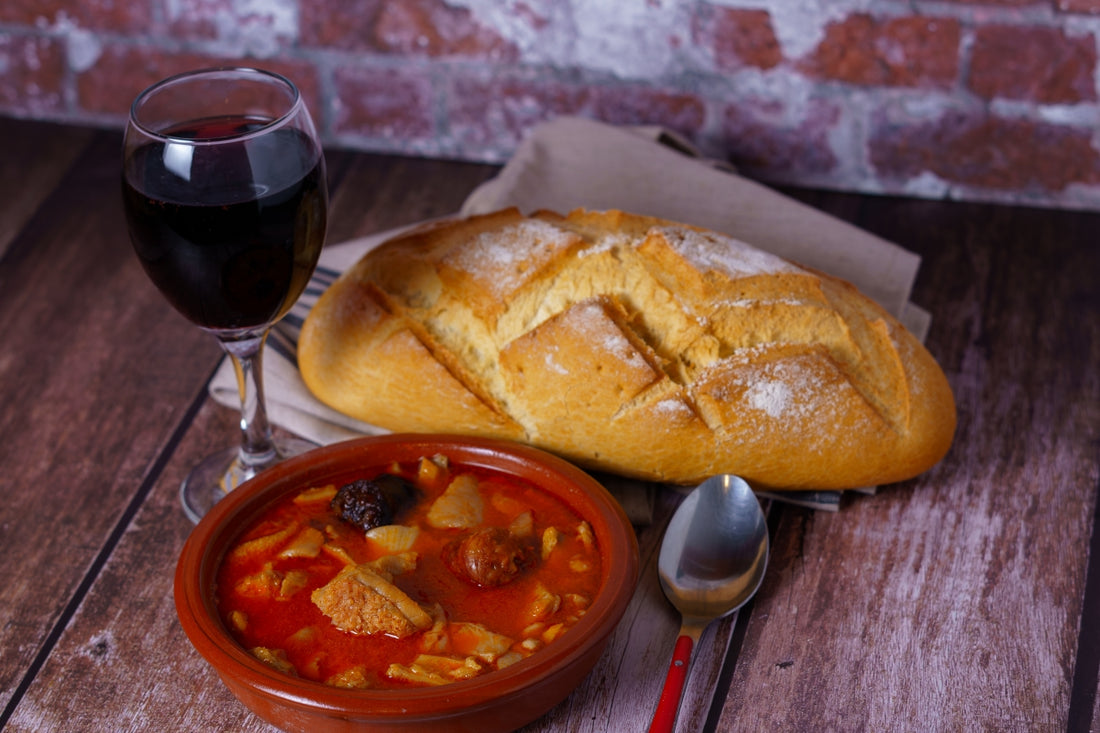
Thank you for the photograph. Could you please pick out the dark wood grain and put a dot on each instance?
(964, 599)
(395, 191)
(97, 371)
(955, 599)
(31, 167)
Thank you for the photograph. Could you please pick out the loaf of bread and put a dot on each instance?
(631, 345)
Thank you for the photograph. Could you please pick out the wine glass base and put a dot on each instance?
(218, 474)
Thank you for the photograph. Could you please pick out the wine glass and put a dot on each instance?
(225, 195)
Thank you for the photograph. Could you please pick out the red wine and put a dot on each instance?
(230, 232)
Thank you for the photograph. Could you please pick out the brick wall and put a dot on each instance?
(994, 100)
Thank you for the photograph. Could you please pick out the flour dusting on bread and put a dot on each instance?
(632, 345)
(712, 251)
(503, 259)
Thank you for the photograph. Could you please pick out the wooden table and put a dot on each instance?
(967, 599)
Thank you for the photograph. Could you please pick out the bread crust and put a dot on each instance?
(632, 345)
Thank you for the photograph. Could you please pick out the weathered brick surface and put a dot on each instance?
(636, 105)
(32, 82)
(1045, 65)
(984, 99)
(1028, 156)
(910, 52)
(759, 142)
(1078, 6)
(483, 111)
(434, 28)
(121, 71)
(395, 105)
(121, 16)
(418, 28)
(242, 29)
(1003, 3)
(737, 37)
(337, 24)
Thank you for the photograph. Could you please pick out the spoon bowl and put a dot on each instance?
(712, 561)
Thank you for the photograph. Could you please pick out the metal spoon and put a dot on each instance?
(712, 561)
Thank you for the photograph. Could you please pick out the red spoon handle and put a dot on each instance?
(669, 704)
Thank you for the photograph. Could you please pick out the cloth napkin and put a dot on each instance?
(572, 162)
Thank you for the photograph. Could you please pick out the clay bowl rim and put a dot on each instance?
(206, 545)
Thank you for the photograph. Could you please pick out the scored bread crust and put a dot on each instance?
(631, 345)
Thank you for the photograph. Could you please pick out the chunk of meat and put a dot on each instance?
(265, 543)
(390, 565)
(543, 604)
(551, 536)
(307, 543)
(393, 537)
(293, 581)
(460, 506)
(523, 525)
(364, 600)
(430, 669)
(274, 658)
(265, 583)
(353, 678)
(488, 557)
(369, 503)
(470, 639)
(316, 494)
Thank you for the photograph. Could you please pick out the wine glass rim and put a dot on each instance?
(295, 104)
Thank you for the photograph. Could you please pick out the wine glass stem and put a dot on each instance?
(257, 446)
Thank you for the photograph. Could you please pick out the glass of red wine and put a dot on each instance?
(226, 201)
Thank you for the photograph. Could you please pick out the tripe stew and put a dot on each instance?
(423, 575)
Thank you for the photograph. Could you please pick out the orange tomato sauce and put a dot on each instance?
(264, 598)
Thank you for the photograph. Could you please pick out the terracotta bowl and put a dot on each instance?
(497, 701)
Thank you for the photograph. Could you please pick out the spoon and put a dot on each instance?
(712, 561)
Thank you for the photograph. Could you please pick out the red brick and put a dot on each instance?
(391, 103)
(424, 28)
(737, 38)
(988, 152)
(632, 105)
(532, 16)
(338, 24)
(760, 141)
(106, 15)
(495, 114)
(904, 52)
(242, 23)
(1039, 64)
(33, 81)
(434, 28)
(1004, 3)
(121, 72)
(1079, 6)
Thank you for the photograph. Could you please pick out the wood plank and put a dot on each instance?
(954, 599)
(95, 373)
(1084, 714)
(36, 156)
(123, 662)
(394, 191)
